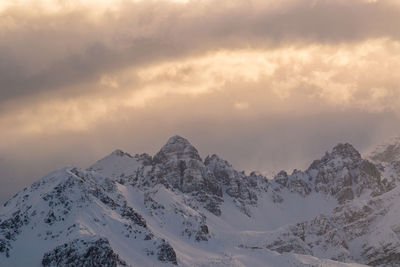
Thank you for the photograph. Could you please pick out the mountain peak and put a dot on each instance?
(120, 153)
(116, 164)
(342, 151)
(214, 159)
(176, 209)
(387, 153)
(178, 139)
(177, 147)
(346, 150)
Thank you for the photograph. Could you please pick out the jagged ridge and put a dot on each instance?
(163, 208)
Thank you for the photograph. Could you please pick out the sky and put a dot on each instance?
(266, 85)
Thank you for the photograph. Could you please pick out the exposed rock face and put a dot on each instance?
(174, 208)
(53, 207)
(177, 148)
(341, 173)
(179, 165)
(344, 174)
(182, 168)
(387, 153)
(362, 231)
(242, 188)
(166, 253)
(83, 253)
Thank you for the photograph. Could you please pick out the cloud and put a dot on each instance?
(268, 85)
(347, 76)
(44, 50)
(271, 134)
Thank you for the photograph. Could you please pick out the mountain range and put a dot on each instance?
(175, 208)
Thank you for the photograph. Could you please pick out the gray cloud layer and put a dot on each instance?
(263, 142)
(323, 89)
(46, 52)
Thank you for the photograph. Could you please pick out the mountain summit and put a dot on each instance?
(387, 153)
(173, 208)
(177, 148)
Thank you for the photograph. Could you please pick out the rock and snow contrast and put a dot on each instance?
(387, 153)
(174, 208)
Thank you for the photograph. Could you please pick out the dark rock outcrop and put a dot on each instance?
(83, 253)
(178, 165)
(166, 253)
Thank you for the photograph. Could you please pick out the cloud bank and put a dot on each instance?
(268, 85)
(52, 49)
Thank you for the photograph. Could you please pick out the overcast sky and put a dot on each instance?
(267, 85)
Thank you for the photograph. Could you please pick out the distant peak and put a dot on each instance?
(213, 157)
(388, 152)
(342, 151)
(120, 153)
(179, 148)
(176, 139)
(213, 160)
(346, 150)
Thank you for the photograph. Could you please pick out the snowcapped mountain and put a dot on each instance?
(387, 153)
(173, 208)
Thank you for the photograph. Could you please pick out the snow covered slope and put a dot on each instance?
(387, 153)
(176, 209)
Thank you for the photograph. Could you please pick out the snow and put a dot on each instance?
(71, 204)
(116, 164)
(386, 153)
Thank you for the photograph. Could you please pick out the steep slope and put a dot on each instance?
(76, 217)
(387, 153)
(365, 231)
(341, 173)
(362, 228)
(175, 208)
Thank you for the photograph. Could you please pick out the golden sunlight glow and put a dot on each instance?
(52, 6)
(268, 84)
(349, 75)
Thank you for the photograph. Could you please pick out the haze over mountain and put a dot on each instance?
(266, 84)
(175, 208)
(263, 86)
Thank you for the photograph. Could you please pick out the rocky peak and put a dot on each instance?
(120, 153)
(344, 174)
(117, 165)
(214, 161)
(145, 158)
(282, 178)
(177, 148)
(346, 150)
(237, 185)
(221, 169)
(340, 154)
(178, 165)
(211, 161)
(387, 153)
